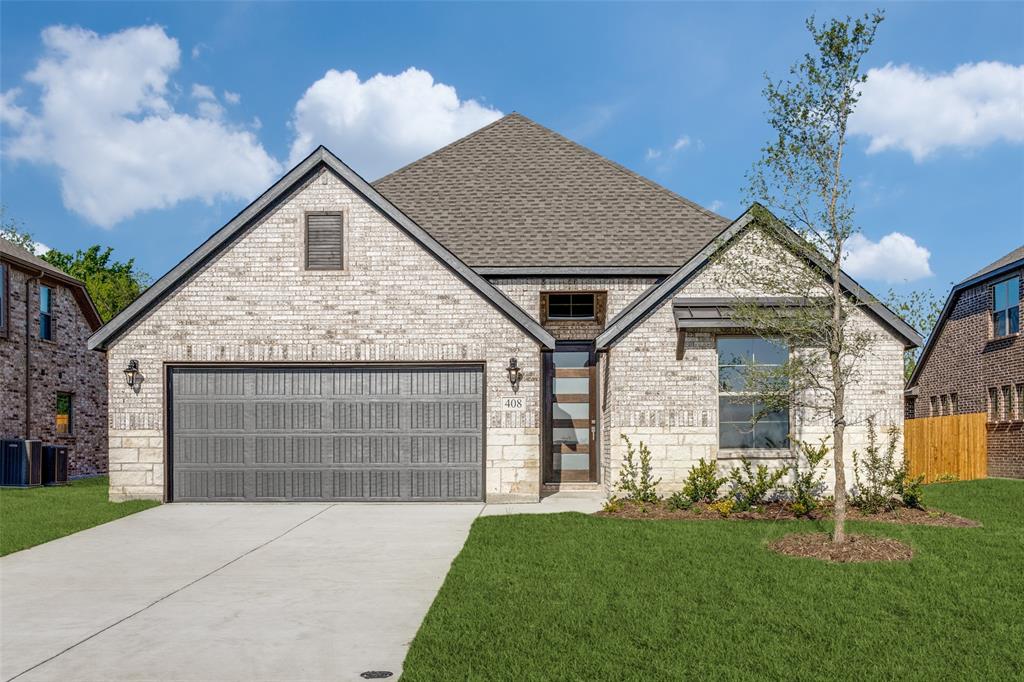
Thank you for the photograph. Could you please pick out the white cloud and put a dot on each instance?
(666, 157)
(203, 92)
(682, 143)
(652, 154)
(40, 248)
(197, 50)
(893, 258)
(973, 106)
(384, 122)
(232, 97)
(716, 205)
(104, 120)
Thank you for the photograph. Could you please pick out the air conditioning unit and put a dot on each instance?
(21, 462)
(55, 464)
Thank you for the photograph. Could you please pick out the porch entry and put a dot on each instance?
(570, 378)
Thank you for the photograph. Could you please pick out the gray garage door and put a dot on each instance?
(315, 433)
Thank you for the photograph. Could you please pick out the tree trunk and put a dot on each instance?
(838, 427)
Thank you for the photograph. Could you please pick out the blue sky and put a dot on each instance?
(225, 96)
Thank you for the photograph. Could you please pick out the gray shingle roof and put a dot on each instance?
(515, 194)
(1015, 255)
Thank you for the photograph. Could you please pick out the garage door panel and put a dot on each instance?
(327, 433)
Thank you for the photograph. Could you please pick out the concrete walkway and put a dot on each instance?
(235, 592)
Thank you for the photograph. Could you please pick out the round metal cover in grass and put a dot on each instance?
(375, 674)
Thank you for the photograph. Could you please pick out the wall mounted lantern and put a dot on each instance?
(515, 375)
(131, 372)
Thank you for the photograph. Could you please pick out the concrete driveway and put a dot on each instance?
(229, 592)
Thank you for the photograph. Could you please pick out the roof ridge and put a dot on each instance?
(454, 143)
(626, 171)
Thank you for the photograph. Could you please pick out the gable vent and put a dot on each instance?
(324, 241)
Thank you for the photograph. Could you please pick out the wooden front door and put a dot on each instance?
(570, 379)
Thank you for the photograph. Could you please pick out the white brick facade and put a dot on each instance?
(256, 303)
(395, 302)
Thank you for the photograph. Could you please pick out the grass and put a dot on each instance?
(577, 597)
(32, 516)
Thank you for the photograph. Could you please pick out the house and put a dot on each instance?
(54, 388)
(483, 323)
(974, 361)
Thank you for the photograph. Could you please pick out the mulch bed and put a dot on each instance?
(859, 548)
(780, 511)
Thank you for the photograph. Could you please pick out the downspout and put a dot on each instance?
(28, 353)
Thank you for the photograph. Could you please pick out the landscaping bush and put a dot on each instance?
(679, 501)
(911, 490)
(750, 488)
(703, 482)
(878, 479)
(635, 481)
(808, 483)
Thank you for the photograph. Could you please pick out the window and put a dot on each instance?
(3, 298)
(944, 400)
(1020, 401)
(993, 404)
(570, 306)
(1006, 307)
(324, 242)
(1006, 411)
(65, 416)
(45, 314)
(954, 407)
(935, 406)
(744, 421)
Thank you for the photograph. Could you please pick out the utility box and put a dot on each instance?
(55, 464)
(21, 463)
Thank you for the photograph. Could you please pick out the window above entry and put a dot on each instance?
(325, 243)
(574, 306)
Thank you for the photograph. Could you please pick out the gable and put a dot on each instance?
(363, 199)
(694, 277)
(517, 195)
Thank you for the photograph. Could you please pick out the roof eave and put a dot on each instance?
(268, 200)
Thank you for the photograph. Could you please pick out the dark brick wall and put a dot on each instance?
(63, 365)
(966, 360)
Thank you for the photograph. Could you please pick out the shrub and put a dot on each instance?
(723, 507)
(808, 483)
(749, 488)
(679, 500)
(703, 482)
(878, 478)
(611, 505)
(911, 490)
(947, 478)
(637, 483)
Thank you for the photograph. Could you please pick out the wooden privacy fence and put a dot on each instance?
(956, 445)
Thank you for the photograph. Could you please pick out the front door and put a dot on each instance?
(570, 388)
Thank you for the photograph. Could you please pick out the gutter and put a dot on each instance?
(34, 279)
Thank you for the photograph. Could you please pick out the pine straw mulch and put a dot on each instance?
(859, 548)
(781, 511)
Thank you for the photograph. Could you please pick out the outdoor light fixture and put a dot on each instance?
(515, 374)
(131, 372)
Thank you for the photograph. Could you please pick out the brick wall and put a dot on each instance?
(61, 365)
(671, 403)
(256, 303)
(966, 360)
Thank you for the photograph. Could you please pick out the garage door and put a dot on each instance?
(316, 433)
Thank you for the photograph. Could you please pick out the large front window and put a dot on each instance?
(1006, 307)
(745, 422)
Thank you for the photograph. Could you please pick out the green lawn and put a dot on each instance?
(573, 597)
(32, 516)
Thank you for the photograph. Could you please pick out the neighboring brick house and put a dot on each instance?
(481, 324)
(974, 361)
(52, 386)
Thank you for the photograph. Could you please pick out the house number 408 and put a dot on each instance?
(512, 403)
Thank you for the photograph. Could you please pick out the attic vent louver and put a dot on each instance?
(324, 241)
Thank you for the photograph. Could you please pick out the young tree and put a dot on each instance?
(921, 310)
(14, 232)
(800, 178)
